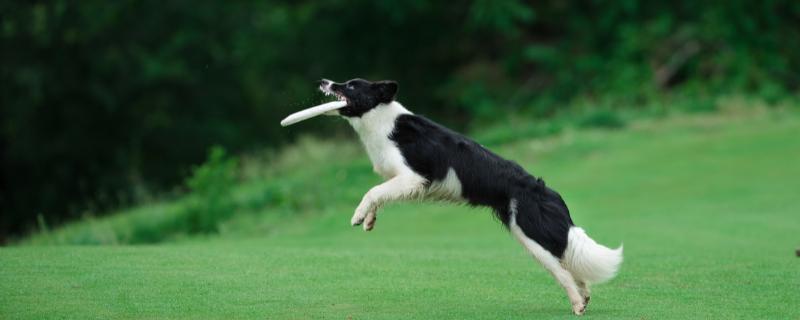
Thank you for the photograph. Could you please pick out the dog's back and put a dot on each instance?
(486, 179)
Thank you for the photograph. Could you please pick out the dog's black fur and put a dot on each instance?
(487, 179)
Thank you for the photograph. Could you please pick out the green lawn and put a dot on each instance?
(707, 207)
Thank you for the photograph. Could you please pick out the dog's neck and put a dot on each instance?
(374, 129)
(378, 122)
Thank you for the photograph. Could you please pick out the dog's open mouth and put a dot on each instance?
(328, 92)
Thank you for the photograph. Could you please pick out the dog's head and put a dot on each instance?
(361, 95)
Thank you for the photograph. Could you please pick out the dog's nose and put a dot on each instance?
(324, 82)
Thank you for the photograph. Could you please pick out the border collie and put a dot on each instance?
(420, 159)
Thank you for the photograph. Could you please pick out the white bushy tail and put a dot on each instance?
(589, 261)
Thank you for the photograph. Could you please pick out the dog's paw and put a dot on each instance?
(364, 212)
(357, 219)
(579, 309)
(369, 221)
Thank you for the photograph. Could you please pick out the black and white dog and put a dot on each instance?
(420, 159)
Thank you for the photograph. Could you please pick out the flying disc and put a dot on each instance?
(312, 112)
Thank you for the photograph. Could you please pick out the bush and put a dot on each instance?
(211, 184)
(602, 118)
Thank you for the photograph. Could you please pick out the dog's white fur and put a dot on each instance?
(374, 128)
(447, 189)
(589, 261)
(402, 183)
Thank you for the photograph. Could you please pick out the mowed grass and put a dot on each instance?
(707, 207)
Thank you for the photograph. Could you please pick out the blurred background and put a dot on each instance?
(107, 105)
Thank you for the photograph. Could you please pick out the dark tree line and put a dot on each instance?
(104, 99)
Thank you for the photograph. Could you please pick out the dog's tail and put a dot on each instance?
(589, 261)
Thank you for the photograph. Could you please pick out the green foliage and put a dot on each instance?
(211, 185)
(602, 118)
(297, 182)
(502, 16)
(101, 107)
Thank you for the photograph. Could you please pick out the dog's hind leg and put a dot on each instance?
(549, 262)
(400, 187)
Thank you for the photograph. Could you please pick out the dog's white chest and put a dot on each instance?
(386, 158)
(374, 128)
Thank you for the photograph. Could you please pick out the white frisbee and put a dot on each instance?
(312, 112)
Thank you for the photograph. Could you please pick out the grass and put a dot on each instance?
(705, 205)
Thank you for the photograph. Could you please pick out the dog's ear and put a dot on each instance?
(387, 90)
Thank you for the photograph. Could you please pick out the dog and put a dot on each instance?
(420, 159)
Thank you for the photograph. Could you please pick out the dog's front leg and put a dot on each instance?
(400, 187)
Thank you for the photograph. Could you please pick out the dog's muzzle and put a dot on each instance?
(325, 85)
